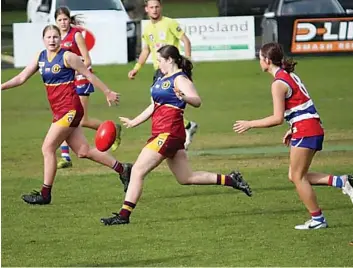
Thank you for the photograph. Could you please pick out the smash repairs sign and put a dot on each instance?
(322, 35)
(220, 38)
(105, 47)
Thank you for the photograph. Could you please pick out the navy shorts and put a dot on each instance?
(314, 143)
(85, 89)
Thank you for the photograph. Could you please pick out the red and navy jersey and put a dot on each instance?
(300, 111)
(59, 83)
(69, 43)
(168, 115)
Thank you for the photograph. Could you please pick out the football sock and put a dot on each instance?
(318, 216)
(118, 167)
(65, 152)
(187, 124)
(224, 180)
(127, 208)
(46, 190)
(337, 181)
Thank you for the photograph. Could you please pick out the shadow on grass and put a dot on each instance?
(136, 263)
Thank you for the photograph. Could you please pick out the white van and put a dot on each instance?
(91, 11)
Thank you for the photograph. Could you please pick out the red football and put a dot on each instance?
(105, 135)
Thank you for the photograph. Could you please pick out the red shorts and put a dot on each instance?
(165, 144)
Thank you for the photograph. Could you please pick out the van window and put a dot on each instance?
(310, 7)
(90, 4)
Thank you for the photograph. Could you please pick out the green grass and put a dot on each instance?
(175, 225)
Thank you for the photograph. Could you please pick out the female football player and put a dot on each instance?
(292, 102)
(72, 40)
(170, 95)
(57, 68)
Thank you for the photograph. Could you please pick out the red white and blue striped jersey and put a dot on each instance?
(59, 83)
(300, 111)
(168, 115)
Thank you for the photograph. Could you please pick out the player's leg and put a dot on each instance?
(181, 169)
(79, 144)
(65, 160)
(145, 163)
(300, 161)
(344, 182)
(57, 133)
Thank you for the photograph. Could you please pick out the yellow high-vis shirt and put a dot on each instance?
(164, 32)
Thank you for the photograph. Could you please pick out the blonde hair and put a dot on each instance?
(51, 27)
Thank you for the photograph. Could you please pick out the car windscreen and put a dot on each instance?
(90, 4)
(310, 7)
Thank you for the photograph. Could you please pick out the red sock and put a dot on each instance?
(224, 180)
(330, 180)
(118, 167)
(127, 208)
(46, 190)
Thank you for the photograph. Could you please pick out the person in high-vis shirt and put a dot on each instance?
(158, 32)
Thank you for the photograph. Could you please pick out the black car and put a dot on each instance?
(279, 8)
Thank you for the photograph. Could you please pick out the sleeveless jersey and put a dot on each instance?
(168, 115)
(69, 43)
(59, 83)
(300, 111)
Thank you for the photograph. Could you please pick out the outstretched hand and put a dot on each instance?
(112, 97)
(241, 126)
(127, 122)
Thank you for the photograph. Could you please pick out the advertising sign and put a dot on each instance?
(220, 38)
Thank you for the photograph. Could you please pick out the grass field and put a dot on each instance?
(175, 225)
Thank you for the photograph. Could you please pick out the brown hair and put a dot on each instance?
(169, 51)
(51, 27)
(75, 20)
(274, 52)
(146, 1)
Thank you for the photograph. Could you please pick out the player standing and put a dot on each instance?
(292, 102)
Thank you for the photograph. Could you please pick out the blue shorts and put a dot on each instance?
(85, 90)
(314, 143)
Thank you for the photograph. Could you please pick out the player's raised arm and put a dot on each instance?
(76, 63)
(140, 62)
(23, 76)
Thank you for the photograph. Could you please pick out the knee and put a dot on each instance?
(290, 177)
(83, 152)
(47, 150)
(185, 180)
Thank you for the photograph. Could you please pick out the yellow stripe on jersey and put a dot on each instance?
(58, 84)
(157, 143)
(164, 32)
(64, 57)
(67, 119)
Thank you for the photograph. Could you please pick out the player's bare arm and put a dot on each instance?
(279, 91)
(187, 91)
(23, 76)
(138, 120)
(141, 61)
(83, 49)
(187, 45)
(75, 63)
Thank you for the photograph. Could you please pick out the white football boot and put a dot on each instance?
(311, 225)
(348, 187)
(190, 132)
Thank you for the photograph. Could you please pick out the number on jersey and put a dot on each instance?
(300, 84)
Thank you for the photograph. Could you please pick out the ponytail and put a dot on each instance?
(288, 65)
(186, 65)
(76, 20)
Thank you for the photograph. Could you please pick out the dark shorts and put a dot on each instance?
(314, 142)
(157, 74)
(85, 89)
(165, 144)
